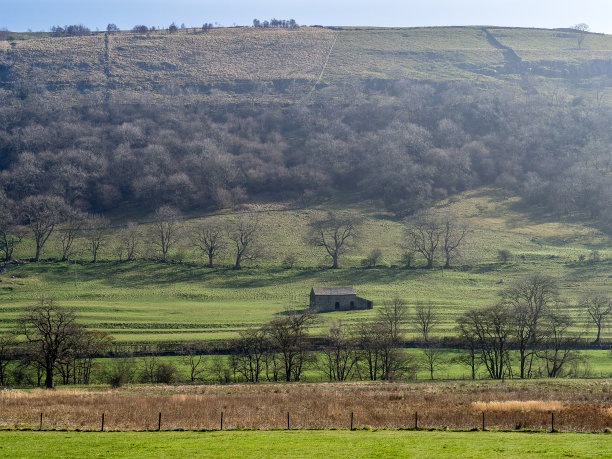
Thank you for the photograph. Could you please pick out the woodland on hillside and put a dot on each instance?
(406, 145)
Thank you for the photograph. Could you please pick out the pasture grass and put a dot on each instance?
(336, 443)
(148, 301)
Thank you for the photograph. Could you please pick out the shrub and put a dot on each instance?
(166, 373)
(120, 372)
(504, 255)
(289, 261)
(407, 259)
(594, 256)
(373, 258)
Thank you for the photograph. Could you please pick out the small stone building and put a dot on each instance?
(324, 299)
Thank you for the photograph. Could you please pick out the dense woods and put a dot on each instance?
(405, 144)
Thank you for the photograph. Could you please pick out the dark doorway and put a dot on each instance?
(337, 305)
(352, 305)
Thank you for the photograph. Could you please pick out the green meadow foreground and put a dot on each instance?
(338, 443)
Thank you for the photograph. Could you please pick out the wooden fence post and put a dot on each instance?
(416, 420)
(483, 421)
(41, 417)
(221, 420)
(552, 421)
(287, 420)
(102, 430)
(159, 422)
(351, 420)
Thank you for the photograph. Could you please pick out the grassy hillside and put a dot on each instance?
(289, 62)
(149, 301)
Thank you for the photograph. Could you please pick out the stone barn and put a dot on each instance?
(325, 299)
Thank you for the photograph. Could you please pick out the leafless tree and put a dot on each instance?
(68, 234)
(334, 232)
(289, 337)
(379, 343)
(168, 224)
(10, 234)
(454, 235)
(528, 299)
(52, 332)
(425, 320)
(581, 30)
(96, 228)
(244, 234)
(129, 240)
(491, 328)
(340, 354)
(424, 234)
(8, 346)
(469, 339)
(208, 236)
(42, 214)
(560, 349)
(598, 307)
(192, 357)
(251, 347)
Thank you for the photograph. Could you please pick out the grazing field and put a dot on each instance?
(338, 443)
(148, 301)
(578, 405)
(246, 64)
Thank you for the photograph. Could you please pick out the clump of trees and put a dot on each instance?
(529, 321)
(276, 23)
(70, 30)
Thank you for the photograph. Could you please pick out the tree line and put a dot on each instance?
(430, 233)
(528, 334)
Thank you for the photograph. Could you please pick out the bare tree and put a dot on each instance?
(8, 347)
(425, 320)
(52, 333)
(379, 343)
(244, 234)
(598, 307)
(469, 339)
(334, 232)
(581, 30)
(192, 356)
(10, 234)
(251, 347)
(96, 228)
(42, 214)
(491, 328)
(528, 299)
(394, 314)
(68, 234)
(168, 223)
(208, 236)
(340, 354)
(129, 240)
(560, 349)
(454, 235)
(289, 337)
(424, 233)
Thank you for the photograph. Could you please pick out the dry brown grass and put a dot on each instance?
(519, 405)
(314, 406)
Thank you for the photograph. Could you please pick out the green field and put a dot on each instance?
(147, 301)
(338, 443)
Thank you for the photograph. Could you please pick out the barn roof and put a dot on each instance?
(323, 291)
